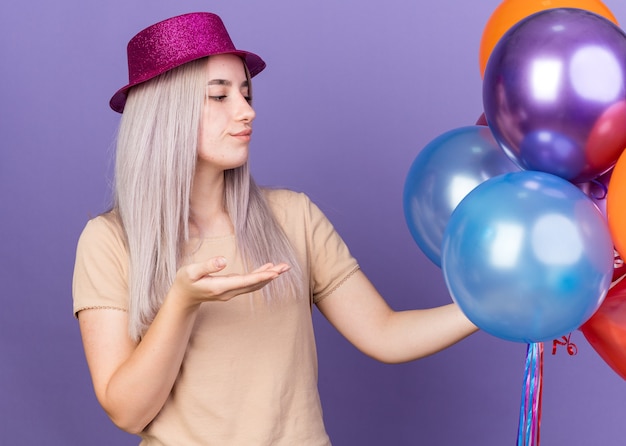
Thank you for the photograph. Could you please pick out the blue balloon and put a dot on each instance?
(527, 256)
(442, 174)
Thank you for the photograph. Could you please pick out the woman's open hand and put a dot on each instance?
(200, 282)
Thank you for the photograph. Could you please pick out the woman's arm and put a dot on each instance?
(360, 314)
(133, 380)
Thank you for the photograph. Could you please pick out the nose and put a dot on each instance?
(244, 111)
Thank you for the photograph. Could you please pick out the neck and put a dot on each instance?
(208, 215)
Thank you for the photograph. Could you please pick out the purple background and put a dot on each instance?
(352, 92)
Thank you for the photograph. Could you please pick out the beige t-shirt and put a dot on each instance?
(249, 376)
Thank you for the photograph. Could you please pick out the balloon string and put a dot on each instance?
(522, 427)
(538, 392)
(530, 409)
(603, 187)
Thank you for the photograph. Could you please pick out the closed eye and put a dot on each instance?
(218, 98)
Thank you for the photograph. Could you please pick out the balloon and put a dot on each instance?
(552, 152)
(554, 93)
(527, 256)
(509, 12)
(606, 329)
(615, 208)
(608, 130)
(444, 171)
(481, 120)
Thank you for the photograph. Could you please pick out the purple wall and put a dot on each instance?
(352, 92)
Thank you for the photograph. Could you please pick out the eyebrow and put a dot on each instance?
(226, 82)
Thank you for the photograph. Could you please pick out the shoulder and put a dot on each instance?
(104, 231)
(291, 206)
(107, 222)
(284, 197)
(287, 204)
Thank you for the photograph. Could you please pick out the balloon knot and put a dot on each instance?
(572, 349)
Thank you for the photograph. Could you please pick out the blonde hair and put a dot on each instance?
(154, 169)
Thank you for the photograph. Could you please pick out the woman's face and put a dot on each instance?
(226, 124)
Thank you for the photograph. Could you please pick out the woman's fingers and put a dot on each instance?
(280, 267)
(234, 284)
(197, 271)
(205, 284)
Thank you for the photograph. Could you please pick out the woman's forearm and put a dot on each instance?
(360, 313)
(414, 334)
(136, 389)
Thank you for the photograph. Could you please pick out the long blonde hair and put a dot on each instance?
(154, 169)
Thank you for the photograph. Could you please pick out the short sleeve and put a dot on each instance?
(327, 261)
(331, 262)
(101, 267)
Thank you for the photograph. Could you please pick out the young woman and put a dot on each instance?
(194, 293)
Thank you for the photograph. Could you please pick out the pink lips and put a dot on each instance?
(243, 135)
